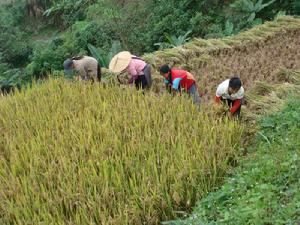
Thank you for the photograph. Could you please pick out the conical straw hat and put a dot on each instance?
(119, 62)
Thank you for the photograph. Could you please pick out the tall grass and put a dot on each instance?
(73, 153)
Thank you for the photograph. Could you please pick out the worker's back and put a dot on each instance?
(87, 68)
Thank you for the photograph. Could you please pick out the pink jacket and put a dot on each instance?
(135, 68)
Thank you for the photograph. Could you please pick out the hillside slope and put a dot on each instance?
(254, 55)
(72, 153)
(264, 189)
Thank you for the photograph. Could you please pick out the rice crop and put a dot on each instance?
(73, 153)
(254, 55)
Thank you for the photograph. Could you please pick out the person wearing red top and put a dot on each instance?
(176, 80)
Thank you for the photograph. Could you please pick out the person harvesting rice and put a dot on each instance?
(231, 92)
(83, 67)
(176, 79)
(137, 68)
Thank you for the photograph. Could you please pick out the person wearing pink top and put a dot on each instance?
(137, 68)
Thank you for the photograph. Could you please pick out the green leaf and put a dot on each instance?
(243, 5)
(116, 47)
(103, 57)
(257, 21)
(174, 41)
(265, 5)
(228, 27)
(258, 5)
(248, 5)
(251, 17)
(96, 54)
(280, 14)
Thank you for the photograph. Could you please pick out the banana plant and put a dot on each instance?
(104, 57)
(173, 41)
(251, 8)
(228, 28)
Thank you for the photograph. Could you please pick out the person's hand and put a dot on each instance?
(220, 109)
(229, 114)
(217, 106)
(174, 92)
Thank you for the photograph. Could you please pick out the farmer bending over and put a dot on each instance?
(84, 67)
(231, 92)
(137, 68)
(176, 79)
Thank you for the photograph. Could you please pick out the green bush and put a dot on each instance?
(12, 79)
(100, 23)
(14, 49)
(65, 13)
(49, 57)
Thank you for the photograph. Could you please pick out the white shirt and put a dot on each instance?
(222, 91)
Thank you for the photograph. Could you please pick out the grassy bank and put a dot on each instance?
(264, 189)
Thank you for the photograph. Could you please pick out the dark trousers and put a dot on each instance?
(141, 82)
(230, 104)
(99, 72)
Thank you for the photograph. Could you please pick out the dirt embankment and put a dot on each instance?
(254, 55)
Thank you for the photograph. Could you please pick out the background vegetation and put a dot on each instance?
(37, 35)
(79, 154)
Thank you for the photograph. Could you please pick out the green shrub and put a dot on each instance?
(100, 23)
(65, 13)
(14, 49)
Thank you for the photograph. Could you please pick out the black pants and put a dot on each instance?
(141, 82)
(230, 104)
(99, 72)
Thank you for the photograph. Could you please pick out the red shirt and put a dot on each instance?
(186, 81)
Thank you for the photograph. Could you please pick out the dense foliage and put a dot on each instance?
(140, 26)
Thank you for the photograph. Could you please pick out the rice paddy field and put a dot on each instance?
(79, 153)
(74, 153)
(254, 55)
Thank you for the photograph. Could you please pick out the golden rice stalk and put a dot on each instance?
(81, 153)
(287, 75)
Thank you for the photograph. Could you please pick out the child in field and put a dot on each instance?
(231, 92)
(176, 79)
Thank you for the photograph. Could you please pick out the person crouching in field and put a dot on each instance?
(176, 79)
(83, 67)
(231, 92)
(137, 68)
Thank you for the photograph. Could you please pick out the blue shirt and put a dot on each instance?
(176, 83)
